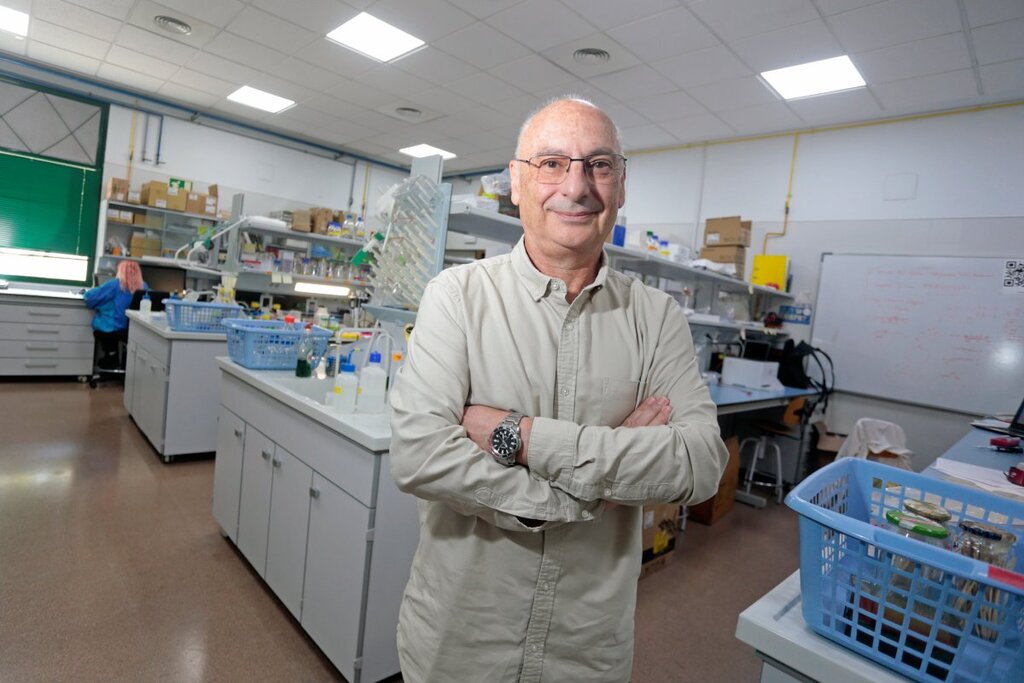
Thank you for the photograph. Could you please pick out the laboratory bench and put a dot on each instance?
(45, 330)
(172, 384)
(306, 495)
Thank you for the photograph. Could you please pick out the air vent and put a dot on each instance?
(591, 55)
(172, 25)
(408, 113)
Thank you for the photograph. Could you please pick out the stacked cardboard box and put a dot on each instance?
(660, 523)
(726, 241)
(177, 198)
(302, 220)
(712, 510)
(321, 217)
(144, 246)
(154, 193)
(118, 190)
(201, 204)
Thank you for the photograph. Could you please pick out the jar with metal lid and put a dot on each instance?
(931, 511)
(993, 545)
(921, 529)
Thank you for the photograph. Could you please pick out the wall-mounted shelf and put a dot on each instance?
(657, 266)
(313, 237)
(166, 212)
(487, 225)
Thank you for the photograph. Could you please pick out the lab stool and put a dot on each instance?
(100, 371)
(791, 428)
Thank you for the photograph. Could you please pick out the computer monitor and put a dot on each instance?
(1016, 427)
(163, 278)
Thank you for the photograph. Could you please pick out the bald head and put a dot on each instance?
(559, 107)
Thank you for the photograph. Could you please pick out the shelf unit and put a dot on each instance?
(487, 225)
(173, 228)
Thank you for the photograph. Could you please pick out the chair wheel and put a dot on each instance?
(93, 384)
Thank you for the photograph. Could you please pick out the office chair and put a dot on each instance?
(790, 427)
(103, 366)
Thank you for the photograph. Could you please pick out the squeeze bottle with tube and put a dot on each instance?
(372, 386)
(346, 388)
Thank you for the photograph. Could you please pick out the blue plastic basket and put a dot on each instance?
(198, 316)
(929, 613)
(271, 344)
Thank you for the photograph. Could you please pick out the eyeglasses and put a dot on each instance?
(553, 168)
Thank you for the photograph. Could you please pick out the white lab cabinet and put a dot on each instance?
(44, 330)
(307, 497)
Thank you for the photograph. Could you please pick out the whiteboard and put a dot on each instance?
(946, 332)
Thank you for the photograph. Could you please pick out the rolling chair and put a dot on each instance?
(108, 366)
(790, 427)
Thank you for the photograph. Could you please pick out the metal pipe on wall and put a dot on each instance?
(145, 138)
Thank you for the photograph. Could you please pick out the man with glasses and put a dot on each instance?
(545, 399)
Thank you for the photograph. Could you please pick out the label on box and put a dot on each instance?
(172, 190)
(160, 203)
(713, 238)
(113, 213)
(648, 519)
(133, 196)
(126, 216)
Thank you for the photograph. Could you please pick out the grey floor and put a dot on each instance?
(112, 568)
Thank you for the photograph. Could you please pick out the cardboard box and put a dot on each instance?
(154, 193)
(144, 246)
(213, 191)
(754, 374)
(118, 190)
(209, 206)
(195, 203)
(321, 218)
(716, 507)
(177, 198)
(729, 254)
(141, 219)
(134, 197)
(727, 231)
(660, 523)
(302, 220)
(126, 216)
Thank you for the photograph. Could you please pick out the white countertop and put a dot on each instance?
(43, 291)
(157, 322)
(775, 626)
(372, 432)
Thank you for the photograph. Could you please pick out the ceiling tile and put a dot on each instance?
(240, 111)
(376, 122)
(428, 20)
(764, 118)
(154, 45)
(137, 61)
(734, 94)
(334, 57)
(840, 107)
(76, 18)
(668, 106)
(492, 117)
(828, 7)
(563, 56)
(306, 74)
(629, 84)
(482, 46)
(894, 22)
(433, 66)
(1005, 79)
(540, 24)
(266, 29)
(982, 12)
(391, 80)
(218, 13)
(448, 127)
(118, 9)
(698, 128)
(623, 116)
(282, 87)
(798, 44)
(67, 39)
(204, 82)
(243, 51)
(319, 16)
(999, 42)
(224, 69)
(301, 116)
(361, 94)
(62, 58)
(144, 11)
(940, 91)
(733, 19)
(398, 139)
(483, 8)
(531, 73)
(132, 79)
(606, 14)
(712, 64)
(646, 137)
(488, 139)
(332, 106)
(918, 58)
(484, 88)
(438, 99)
(186, 95)
(664, 35)
(368, 148)
(518, 107)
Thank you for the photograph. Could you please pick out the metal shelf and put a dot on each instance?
(658, 266)
(308, 237)
(169, 212)
(756, 328)
(391, 315)
(488, 225)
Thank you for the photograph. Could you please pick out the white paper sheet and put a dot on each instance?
(982, 477)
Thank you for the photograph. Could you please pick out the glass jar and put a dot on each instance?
(920, 529)
(986, 543)
(935, 513)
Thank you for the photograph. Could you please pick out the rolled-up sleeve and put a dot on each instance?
(433, 458)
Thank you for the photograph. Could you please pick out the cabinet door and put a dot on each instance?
(286, 537)
(254, 499)
(332, 599)
(130, 375)
(150, 400)
(227, 471)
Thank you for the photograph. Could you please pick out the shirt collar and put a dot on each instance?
(537, 283)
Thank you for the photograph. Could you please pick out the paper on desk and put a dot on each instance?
(981, 477)
(990, 422)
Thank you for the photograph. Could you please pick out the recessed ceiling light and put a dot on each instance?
(368, 35)
(172, 25)
(261, 100)
(13, 21)
(814, 78)
(591, 55)
(425, 151)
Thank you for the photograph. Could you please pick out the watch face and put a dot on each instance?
(505, 441)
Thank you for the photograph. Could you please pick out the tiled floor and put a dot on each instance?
(113, 569)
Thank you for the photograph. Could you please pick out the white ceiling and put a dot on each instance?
(682, 71)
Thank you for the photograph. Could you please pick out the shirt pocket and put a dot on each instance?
(618, 399)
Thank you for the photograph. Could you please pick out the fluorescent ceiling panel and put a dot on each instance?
(260, 100)
(315, 288)
(368, 35)
(814, 78)
(423, 150)
(13, 21)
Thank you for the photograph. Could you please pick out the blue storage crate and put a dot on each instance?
(929, 613)
(271, 344)
(198, 316)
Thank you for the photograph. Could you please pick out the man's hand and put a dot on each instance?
(480, 421)
(653, 411)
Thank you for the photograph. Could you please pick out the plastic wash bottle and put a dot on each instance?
(372, 386)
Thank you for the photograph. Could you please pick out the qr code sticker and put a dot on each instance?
(1013, 277)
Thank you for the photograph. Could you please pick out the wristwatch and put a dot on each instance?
(506, 441)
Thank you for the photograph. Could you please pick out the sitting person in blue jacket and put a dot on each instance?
(110, 301)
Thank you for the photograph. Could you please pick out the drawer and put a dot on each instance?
(45, 366)
(152, 343)
(53, 315)
(45, 348)
(43, 332)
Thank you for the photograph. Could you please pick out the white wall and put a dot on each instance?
(947, 185)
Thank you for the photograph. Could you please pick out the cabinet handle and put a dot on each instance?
(40, 365)
(38, 331)
(29, 347)
(238, 433)
(277, 463)
(314, 493)
(266, 455)
(44, 314)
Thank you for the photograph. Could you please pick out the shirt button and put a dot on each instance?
(607, 492)
(534, 648)
(586, 514)
(563, 392)
(544, 586)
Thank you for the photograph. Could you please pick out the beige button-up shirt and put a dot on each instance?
(491, 599)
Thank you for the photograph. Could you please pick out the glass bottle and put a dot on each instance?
(305, 353)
